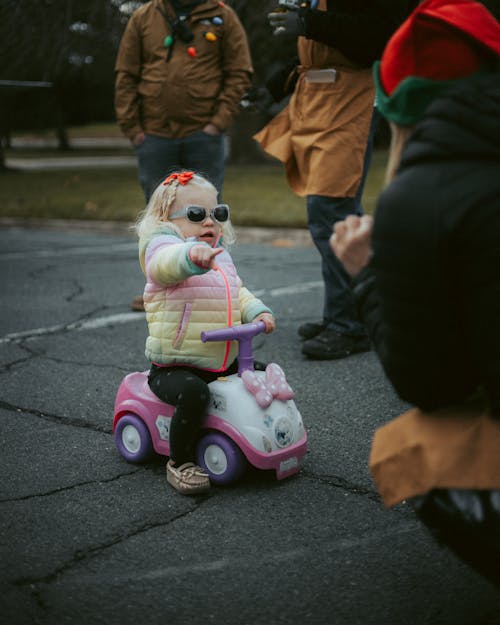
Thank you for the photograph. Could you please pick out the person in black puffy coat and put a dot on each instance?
(426, 269)
(436, 254)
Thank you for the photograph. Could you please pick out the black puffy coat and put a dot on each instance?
(431, 295)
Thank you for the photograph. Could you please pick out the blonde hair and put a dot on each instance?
(156, 212)
(399, 137)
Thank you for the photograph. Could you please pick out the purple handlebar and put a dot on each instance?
(243, 334)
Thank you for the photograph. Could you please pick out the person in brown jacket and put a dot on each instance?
(181, 70)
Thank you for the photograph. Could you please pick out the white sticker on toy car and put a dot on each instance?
(163, 425)
(217, 402)
(283, 432)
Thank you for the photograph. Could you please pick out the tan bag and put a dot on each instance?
(457, 447)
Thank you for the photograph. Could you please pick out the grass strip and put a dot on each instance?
(258, 194)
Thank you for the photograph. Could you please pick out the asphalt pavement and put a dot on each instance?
(87, 538)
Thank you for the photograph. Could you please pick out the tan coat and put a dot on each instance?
(321, 135)
(454, 447)
(176, 98)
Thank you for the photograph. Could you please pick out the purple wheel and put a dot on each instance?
(133, 439)
(221, 458)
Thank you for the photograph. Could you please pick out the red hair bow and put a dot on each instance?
(183, 177)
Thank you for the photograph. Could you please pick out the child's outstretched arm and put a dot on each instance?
(168, 261)
(203, 255)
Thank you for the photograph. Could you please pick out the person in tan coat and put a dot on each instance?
(181, 70)
(324, 138)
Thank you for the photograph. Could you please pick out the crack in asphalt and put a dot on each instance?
(53, 418)
(339, 482)
(18, 337)
(64, 489)
(80, 556)
(285, 558)
(78, 291)
(39, 271)
(351, 487)
(10, 365)
(31, 353)
(7, 367)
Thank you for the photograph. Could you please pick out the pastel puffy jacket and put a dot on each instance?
(182, 299)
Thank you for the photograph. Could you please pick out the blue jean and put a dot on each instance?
(339, 311)
(159, 156)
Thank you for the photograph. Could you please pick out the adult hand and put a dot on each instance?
(286, 23)
(268, 320)
(203, 255)
(211, 129)
(138, 138)
(351, 242)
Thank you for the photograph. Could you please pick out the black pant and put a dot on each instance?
(185, 388)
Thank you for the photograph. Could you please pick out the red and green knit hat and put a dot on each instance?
(441, 42)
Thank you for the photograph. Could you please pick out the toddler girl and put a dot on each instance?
(191, 285)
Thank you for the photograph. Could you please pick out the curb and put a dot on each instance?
(276, 237)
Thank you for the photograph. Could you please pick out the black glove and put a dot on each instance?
(257, 99)
(286, 23)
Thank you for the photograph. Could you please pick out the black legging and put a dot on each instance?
(185, 388)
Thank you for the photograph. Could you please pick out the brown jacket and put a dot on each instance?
(322, 134)
(177, 97)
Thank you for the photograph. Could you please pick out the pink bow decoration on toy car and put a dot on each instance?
(265, 389)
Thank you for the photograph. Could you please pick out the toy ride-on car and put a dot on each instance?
(251, 417)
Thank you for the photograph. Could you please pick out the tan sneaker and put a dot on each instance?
(188, 479)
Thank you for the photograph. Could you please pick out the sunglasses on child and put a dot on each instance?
(198, 214)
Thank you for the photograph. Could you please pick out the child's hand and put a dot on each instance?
(203, 255)
(269, 321)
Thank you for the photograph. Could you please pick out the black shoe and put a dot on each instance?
(310, 330)
(329, 345)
